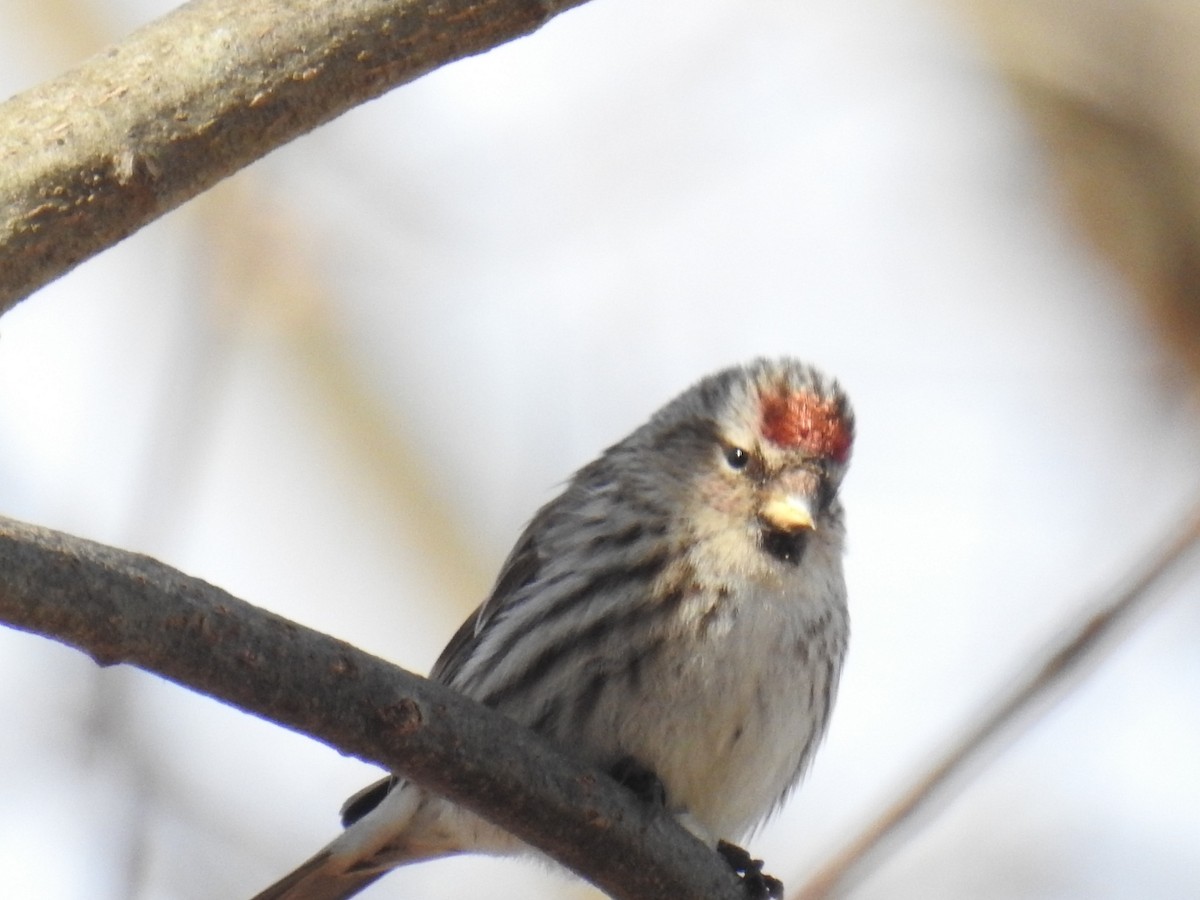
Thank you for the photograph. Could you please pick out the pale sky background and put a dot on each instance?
(516, 260)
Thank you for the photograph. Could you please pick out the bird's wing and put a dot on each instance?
(519, 571)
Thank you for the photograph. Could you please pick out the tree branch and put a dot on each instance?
(90, 157)
(121, 607)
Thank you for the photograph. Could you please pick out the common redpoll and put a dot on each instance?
(678, 613)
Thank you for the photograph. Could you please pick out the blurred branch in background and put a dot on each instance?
(90, 157)
(261, 258)
(1113, 89)
(118, 607)
(1095, 630)
(1114, 92)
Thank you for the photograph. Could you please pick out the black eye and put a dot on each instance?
(737, 458)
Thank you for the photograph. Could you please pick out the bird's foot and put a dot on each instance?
(636, 777)
(649, 788)
(758, 884)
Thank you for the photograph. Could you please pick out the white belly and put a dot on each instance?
(729, 720)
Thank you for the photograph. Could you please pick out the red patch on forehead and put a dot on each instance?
(803, 421)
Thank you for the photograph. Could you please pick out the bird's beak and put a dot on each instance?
(788, 512)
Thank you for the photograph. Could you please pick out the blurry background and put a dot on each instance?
(339, 384)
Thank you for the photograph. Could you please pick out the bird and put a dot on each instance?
(676, 616)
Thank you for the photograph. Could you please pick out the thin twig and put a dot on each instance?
(1082, 641)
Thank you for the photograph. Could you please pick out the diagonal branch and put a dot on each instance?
(121, 607)
(1082, 641)
(90, 157)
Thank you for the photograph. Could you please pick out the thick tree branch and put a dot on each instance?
(120, 607)
(90, 157)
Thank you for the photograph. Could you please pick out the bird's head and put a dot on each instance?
(759, 453)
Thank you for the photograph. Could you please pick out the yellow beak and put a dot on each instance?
(788, 512)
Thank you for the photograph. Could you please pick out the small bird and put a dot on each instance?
(676, 616)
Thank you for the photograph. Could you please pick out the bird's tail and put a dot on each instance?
(378, 841)
(389, 824)
(319, 879)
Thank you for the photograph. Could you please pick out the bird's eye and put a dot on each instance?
(737, 458)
